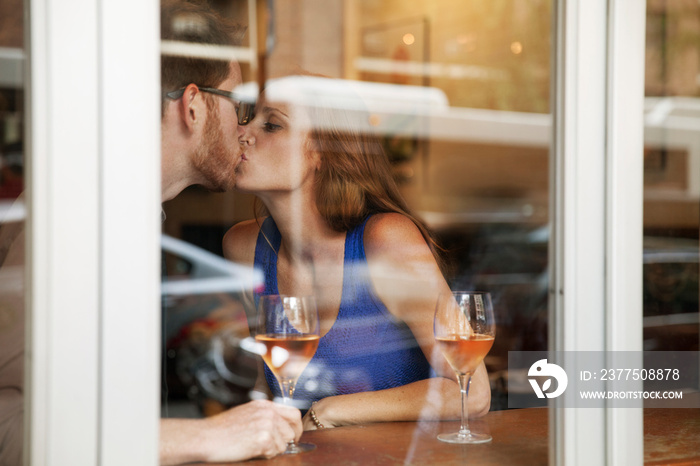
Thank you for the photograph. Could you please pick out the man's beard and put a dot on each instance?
(213, 159)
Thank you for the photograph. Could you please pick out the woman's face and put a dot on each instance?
(276, 155)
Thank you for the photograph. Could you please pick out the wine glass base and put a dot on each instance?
(470, 438)
(294, 448)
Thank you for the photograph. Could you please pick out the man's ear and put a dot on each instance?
(192, 107)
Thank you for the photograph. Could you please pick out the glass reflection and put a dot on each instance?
(672, 177)
(12, 214)
(448, 94)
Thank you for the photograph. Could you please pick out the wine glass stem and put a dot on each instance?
(287, 387)
(464, 381)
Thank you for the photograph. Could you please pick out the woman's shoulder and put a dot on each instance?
(391, 233)
(239, 241)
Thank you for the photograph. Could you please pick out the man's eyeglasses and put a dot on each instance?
(244, 110)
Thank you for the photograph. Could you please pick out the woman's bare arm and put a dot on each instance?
(408, 280)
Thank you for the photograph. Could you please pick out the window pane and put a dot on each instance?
(672, 176)
(463, 111)
(671, 192)
(11, 232)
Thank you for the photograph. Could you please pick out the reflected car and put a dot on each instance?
(671, 294)
(203, 326)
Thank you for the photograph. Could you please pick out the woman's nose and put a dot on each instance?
(246, 138)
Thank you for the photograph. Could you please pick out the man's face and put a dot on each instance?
(219, 152)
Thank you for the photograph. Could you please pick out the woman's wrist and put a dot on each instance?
(314, 417)
(323, 411)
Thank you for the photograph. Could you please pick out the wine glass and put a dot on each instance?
(287, 334)
(464, 329)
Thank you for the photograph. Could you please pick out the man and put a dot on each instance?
(199, 132)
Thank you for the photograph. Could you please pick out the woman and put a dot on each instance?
(338, 229)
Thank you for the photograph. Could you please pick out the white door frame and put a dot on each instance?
(597, 176)
(93, 119)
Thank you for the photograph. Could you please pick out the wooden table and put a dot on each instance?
(520, 436)
(671, 436)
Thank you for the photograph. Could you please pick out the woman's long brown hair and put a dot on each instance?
(355, 178)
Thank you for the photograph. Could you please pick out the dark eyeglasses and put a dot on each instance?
(245, 110)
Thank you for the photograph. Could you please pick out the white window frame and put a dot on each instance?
(93, 119)
(93, 225)
(597, 176)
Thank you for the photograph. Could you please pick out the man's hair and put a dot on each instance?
(194, 22)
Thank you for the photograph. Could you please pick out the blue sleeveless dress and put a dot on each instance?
(366, 349)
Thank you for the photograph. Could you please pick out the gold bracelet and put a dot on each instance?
(315, 419)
